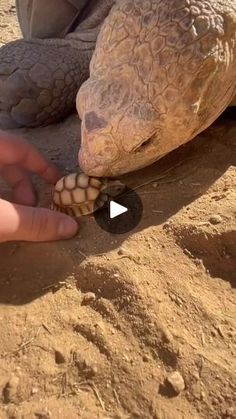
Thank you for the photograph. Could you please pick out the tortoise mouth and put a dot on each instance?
(122, 164)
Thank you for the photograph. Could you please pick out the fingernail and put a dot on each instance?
(67, 228)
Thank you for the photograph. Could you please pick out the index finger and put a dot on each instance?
(17, 151)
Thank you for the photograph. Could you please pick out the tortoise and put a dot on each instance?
(146, 75)
(77, 194)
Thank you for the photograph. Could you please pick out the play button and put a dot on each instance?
(121, 214)
(116, 209)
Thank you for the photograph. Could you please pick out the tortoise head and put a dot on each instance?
(118, 129)
(112, 187)
(156, 81)
(121, 105)
(119, 121)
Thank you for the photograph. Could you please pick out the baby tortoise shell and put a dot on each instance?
(77, 194)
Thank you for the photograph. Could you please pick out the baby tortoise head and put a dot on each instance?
(77, 194)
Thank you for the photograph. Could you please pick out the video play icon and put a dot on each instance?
(116, 209)
(121, 214)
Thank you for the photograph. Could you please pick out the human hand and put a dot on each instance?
(20, 220)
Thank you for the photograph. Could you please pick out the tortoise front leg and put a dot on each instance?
(39, 80)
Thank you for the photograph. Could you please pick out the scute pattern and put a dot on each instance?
(76, 193)
(163, 28)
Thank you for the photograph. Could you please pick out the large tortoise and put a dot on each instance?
(162, 71)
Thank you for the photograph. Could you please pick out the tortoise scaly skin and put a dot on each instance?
(77, 194)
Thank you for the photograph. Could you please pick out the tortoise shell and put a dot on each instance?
(77, 194)
(47, 19)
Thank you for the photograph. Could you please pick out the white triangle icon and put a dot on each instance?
(116, 209)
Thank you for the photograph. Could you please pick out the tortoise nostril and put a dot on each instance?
(94, 122)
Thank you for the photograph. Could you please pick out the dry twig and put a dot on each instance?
(95, 390)
(28, 342)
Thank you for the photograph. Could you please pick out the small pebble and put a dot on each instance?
(196, 390)
(146, 358)
(122, 252)
(176, 381)
(215, 219)
(116, 380)
(34, 390)
(60, 358)
(88, 298)
(196, 375)
(43, 414)
(11, 389)
(167, 336)
(203, 395)
(94, 370)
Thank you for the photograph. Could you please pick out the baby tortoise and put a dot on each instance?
(77, 194)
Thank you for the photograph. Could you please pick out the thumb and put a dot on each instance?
(33, 224)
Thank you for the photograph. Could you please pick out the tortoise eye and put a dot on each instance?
(145, 144)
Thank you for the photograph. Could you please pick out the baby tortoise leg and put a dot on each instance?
(39, 80)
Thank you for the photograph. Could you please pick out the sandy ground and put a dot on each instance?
(95, 327)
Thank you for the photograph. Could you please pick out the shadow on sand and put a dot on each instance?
(30, 270)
